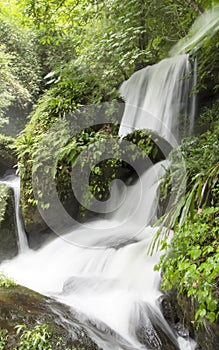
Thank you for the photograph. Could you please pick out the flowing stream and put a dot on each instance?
(109, 278)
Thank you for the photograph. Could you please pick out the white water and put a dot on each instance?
(112, 280)
(157, 98)
(202, 30)
(14, 182)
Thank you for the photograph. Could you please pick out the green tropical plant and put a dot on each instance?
(37, 338)
(3, 338)
(192, 262)
(5, 281)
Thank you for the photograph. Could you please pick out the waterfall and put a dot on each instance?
(14, 182)
(157, 98)
(110, 278)
(101, 269)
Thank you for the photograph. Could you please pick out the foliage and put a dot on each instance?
(192, 262)
(3, 338)
(208, 76)
(5, 281)
(8, 158)
(209, 115)
(4, 194)
(10, 87)
(77, 53)
(21, 46)
(90, 47)
(37, 338)
(113, 37)
(198, 186)
(7, 144)
(56, 157)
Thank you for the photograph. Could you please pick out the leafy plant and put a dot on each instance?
(198, 179)
(5, 281)
(37, 338)
(4, 195)
(3, 338)
(192, 262)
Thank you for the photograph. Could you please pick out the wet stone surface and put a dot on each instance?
(19, 305)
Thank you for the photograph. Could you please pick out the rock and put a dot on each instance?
(19, 305)
(168, 310)
(152, 330)
(36, 227)
(8, 158)
(206, 336)
(8, 227)
(107, 337)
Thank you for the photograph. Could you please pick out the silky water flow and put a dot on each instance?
(111, 277)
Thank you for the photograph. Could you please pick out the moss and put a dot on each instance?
(8, 158)
(4, 195)
(8, 229)
(21, 306)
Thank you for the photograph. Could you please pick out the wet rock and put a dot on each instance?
(152, 330)
(168, 310)
(8, 227)
(206, 336)
(107, 337)
(8, 157)
(181, 330)
(19, 305)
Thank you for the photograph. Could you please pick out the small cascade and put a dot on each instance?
(112, 281)
(14, 182)
(158, 98)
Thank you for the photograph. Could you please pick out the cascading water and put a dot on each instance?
(14, 182)
(114, 284)
(109, 278)
(157, 98)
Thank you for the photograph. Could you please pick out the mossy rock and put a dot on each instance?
(21, 306)
(8, 158)
(8, 227)
(149, 148)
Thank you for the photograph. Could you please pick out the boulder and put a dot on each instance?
(19, 305)
(152, 330)
(180, 309)
(8, 158)
(8, 227)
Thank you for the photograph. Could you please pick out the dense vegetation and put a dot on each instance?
(58, 56)
(192, 263)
